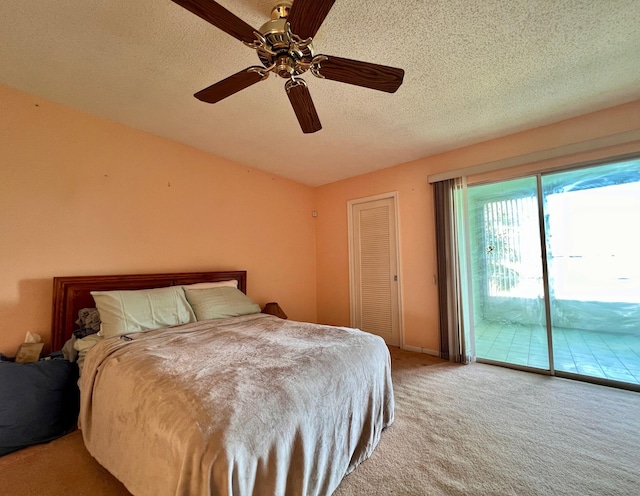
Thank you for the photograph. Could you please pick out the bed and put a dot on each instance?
(246, 405)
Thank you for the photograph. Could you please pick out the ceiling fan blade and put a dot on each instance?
(220, 17)
(306, 16)
(227, 87)
(374, 76)
(302, 104)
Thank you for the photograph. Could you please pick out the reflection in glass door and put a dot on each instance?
(506, 266)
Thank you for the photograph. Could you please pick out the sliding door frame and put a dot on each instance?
(545, 271)
(551, 371)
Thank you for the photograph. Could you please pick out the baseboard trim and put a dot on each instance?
(426, 351)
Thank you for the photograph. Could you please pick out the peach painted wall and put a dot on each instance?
(416, 214)
(81, 195)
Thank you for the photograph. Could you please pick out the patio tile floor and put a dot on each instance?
(607, 355)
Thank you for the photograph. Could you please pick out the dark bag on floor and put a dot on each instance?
(39, 402)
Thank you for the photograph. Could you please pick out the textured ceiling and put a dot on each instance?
(475, 70)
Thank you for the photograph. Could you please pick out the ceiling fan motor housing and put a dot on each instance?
(291, 55)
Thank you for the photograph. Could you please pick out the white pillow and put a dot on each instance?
(206, 285)
(125, 312)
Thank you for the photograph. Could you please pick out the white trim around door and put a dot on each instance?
(374, 265)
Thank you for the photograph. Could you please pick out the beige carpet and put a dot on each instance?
(473, 429)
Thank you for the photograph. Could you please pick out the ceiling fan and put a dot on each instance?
(285, 47)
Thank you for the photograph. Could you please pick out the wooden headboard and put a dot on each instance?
(71, 294)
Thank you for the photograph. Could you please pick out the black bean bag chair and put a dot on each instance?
(39, 402)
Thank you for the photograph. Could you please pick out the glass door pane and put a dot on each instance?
(506, 268)
(593, 255)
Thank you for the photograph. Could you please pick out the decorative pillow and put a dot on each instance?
(206, 285)
(219, 303)
(125, 312)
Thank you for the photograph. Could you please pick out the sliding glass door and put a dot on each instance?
(592, 233)
(555, 271)
(507, 273)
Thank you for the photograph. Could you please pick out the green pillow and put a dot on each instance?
(125, 312)
(219, 303)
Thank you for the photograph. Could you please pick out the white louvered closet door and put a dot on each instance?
(374, 288)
